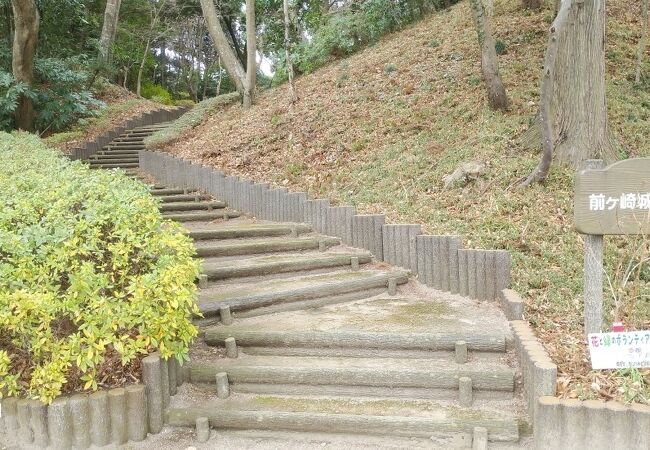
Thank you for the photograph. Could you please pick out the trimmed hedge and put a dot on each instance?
(91, 277)
(193, 118)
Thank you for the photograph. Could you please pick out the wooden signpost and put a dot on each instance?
(608, 200)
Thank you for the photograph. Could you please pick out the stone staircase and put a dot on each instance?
(301, 334)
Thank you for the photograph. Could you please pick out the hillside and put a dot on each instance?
(382, 128)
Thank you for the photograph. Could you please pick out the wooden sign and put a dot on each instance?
(615, 199)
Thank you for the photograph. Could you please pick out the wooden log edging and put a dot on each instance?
(538, 371)
(440, 262)
(148, 118)
(105, 417)
(590, 424)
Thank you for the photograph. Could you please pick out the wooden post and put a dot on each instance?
(593, 271)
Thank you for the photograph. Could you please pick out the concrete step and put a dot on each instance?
(192, 206)
(183, 198)
(249, 231)
(296, 293)
(103, 161)
(115, 166)
(259, 246)
(117, 153)
(111, 156)
(160, 190)
(140, 133)
(129, 139)
(437, 375)
(125, 146)
(430, 342)
(444, 424)
(201, 216)
(268, 265)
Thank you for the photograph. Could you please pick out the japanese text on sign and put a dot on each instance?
(619, 350)
(601, 202)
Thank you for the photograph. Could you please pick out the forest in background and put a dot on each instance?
(72, 51)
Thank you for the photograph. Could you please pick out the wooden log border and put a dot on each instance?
(105, 417)
(148, 118)
(440, 262)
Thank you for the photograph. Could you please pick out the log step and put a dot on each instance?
(110, 157)
(258, 246)
(162, 191)
(115, 166)
(130, 139)
(268, 265)
(104, 161)
(183, 198)
(393, 373)
(410, 418)
(201, 216)
(116, 153)
(125, 146)
(248, 231)
(294, 290)
(430, 342)
(192, 206)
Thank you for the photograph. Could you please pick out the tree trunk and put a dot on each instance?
(497, 97)
(287, 53)
(26, 23)
(251, 50)
(141, 69)
(218, 89)
(573, 109)
(227, 55)
(577, 97)
(9, 23)
(645, 24)
(233, 41)
(109, 28)
(163, 62)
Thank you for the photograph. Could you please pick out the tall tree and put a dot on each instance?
(26, 23)
(243, 78)
(156, 8)
(497, 97)
(251, 55)
(573, 108)
(287, 53)
(109, 28)
(232, 64)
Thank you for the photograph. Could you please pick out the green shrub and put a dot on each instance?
(59, 94)
(189, 120)
(500, 47)
(184, 103)
(91, 277)
(156, 93)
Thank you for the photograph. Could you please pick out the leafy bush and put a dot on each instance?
(59, 95)
(156, 93)
(500, 47)
(184, 103)
(189, 120)
(91, 277)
